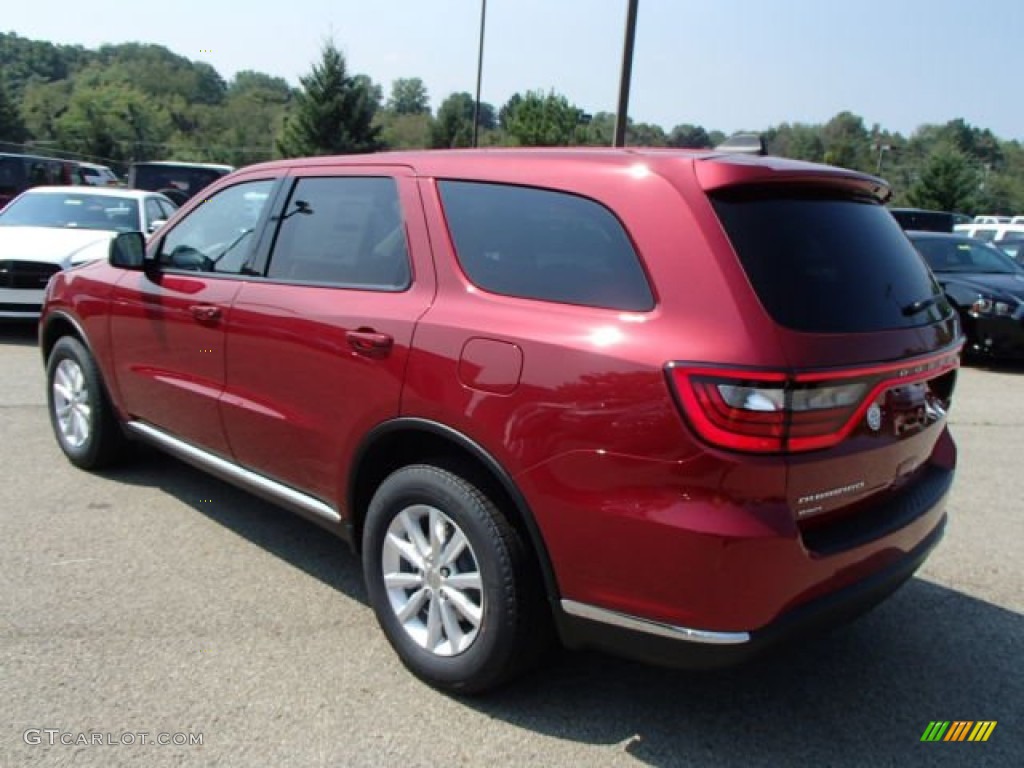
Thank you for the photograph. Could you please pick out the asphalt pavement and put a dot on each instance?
(153, 603)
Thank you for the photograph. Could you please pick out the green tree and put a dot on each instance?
(333, 113)
(948, 182)
(796, 140)
(12, 127)
(543, 120)
(688, 136)
(42, 104)
(405, 131)
(645, 135)
(114, 122)
(453, 126)
(408, 97)
(847, 143)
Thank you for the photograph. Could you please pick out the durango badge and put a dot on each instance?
(874, 417)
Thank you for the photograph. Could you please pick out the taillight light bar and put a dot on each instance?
(772, 411)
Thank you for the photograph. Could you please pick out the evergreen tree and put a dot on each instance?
(947, 183)
(333, 113)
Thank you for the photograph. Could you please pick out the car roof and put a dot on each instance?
(176, 164)
(131, 194)
(714, 169)
(920, 234)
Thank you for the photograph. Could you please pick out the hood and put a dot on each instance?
(1004, 284)
(49, 245)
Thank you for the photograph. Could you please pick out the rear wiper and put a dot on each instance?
(920, 305)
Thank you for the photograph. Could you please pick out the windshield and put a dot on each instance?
(72, 210)
(957, 255)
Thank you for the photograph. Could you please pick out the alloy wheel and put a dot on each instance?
(71, 403)
(433, 580)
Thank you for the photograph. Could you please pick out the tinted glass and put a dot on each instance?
(219, 235)
(829, 265)
(540, 244)
(73, 211)
(342, 231)
(178, 182)
(964, 256)
(931, 221)
(12, 175)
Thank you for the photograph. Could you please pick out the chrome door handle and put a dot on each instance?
(205, 313)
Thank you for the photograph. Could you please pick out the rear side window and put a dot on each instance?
(829, 264)
(546, 245)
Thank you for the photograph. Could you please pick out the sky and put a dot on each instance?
(723, 64)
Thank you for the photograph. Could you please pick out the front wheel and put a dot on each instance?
(450, 580)
(81, 415)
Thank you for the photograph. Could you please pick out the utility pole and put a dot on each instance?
(622, 113)
(479, 72)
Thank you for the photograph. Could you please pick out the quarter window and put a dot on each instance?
(219, 235)
(344, 231)
(541, 244)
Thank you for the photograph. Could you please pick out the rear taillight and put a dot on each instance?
(763, 411)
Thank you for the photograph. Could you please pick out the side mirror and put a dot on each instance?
(128, 250)
(155, 224)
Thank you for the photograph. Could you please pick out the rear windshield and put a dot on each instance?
(825, 264)
(183, 180)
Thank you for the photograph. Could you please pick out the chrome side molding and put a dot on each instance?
(233, 473)
(592, 612)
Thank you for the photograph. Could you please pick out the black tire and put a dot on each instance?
(513, 619)
(103, 442)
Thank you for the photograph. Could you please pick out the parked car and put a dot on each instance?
(97, 175)
(178, 181)
(21, 172)
(1014, 248)
(921, 219)
(677, 405)
(47, 229)
(984, 285)
(990, 233)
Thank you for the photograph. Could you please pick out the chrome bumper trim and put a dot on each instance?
(258, 484)
(585, 611)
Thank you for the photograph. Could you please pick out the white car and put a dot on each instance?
(97, 175)
(47, 229)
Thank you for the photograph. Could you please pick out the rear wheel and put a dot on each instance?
(81, 415)
(450, 580)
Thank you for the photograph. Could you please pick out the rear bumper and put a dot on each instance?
(583, 626)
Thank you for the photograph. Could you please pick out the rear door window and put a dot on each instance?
(343, 231)
(825, 264)
(546, 245)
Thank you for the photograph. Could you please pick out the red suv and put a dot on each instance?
(675, 405)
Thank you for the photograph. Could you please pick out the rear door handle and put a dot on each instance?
(367, 341)
(205, 313)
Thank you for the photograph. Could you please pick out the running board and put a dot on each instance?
(271, 490)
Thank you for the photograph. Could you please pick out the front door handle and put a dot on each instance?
(367, 341)
(205, 313)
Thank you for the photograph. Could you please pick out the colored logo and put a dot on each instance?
(874, 416)
(959, 730)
